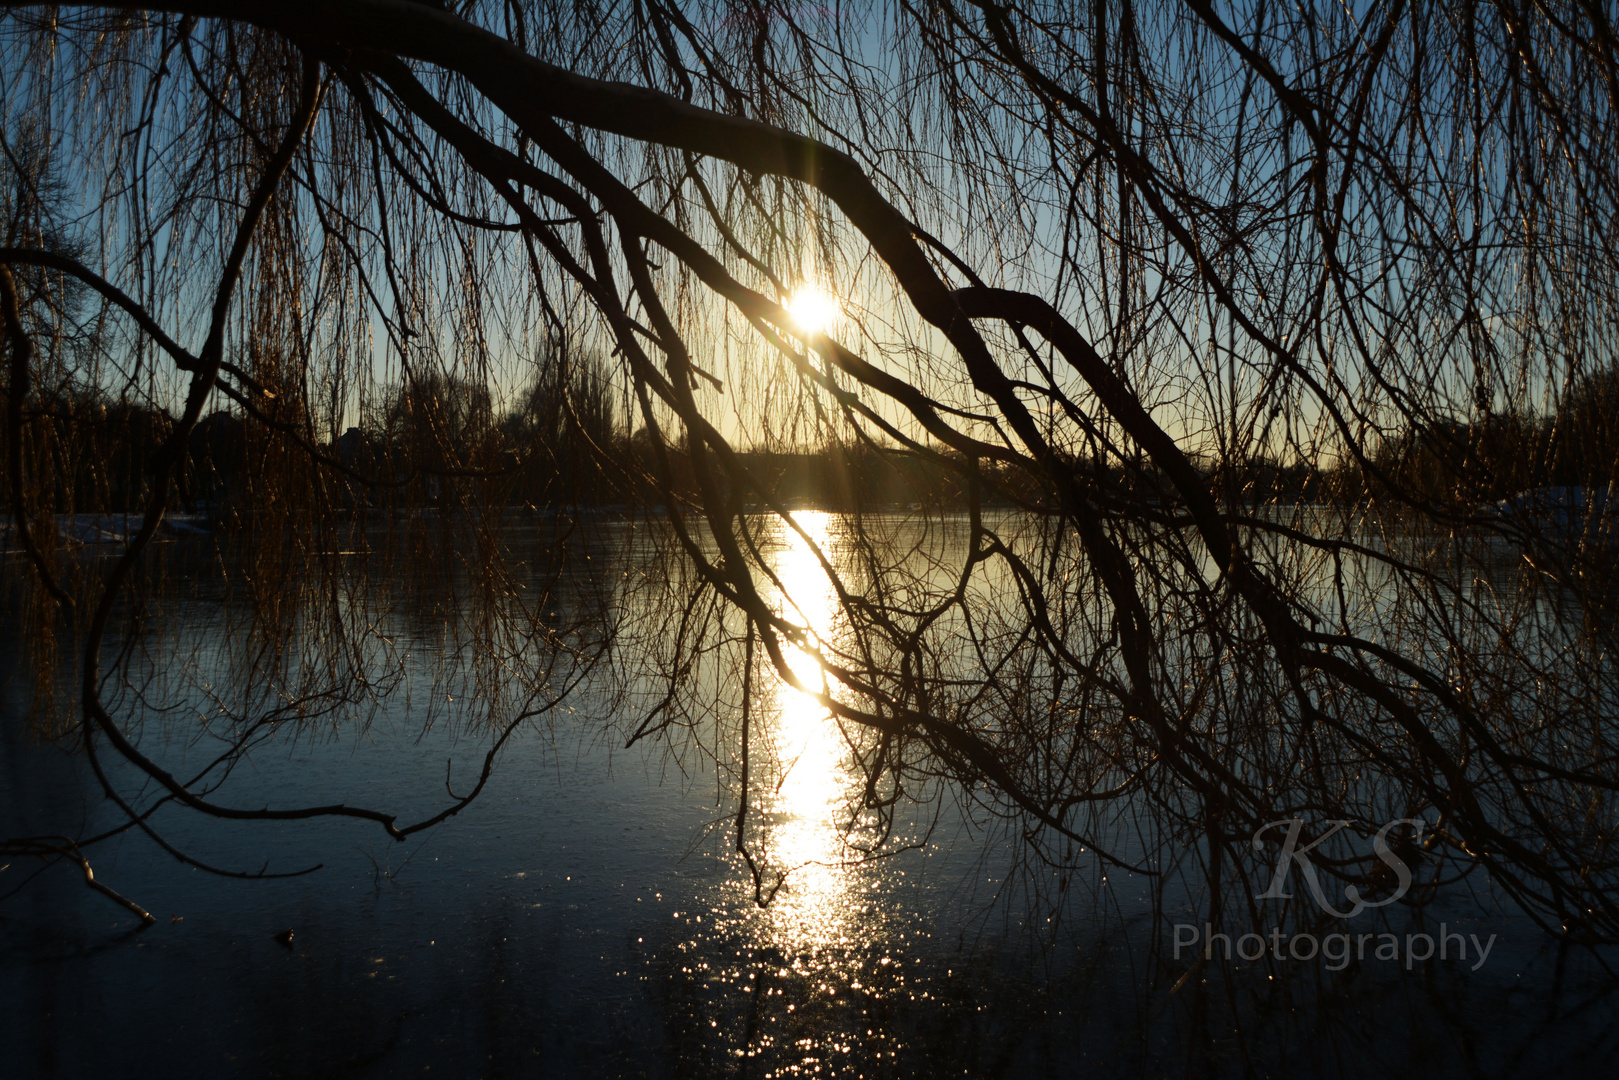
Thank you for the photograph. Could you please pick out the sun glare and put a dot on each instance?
(812, 309)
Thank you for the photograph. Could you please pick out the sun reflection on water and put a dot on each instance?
(833, 947)
(831, 943)
(812, 781)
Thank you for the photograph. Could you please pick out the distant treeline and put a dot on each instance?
(1494, 454)
(438, 441)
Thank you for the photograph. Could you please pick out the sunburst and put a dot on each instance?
(812, 309)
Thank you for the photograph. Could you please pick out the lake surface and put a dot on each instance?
(588, 915)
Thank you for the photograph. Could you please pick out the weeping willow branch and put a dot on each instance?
(1236, 390)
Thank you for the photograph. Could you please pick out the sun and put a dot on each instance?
(812, 309)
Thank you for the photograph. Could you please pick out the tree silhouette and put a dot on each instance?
(1112, 270)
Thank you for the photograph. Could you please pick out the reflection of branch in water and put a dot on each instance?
(385, 870)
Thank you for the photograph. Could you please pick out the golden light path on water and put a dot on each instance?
(802, 832)
(830, 949)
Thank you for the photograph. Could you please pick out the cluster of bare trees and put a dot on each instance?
(1094, 261)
